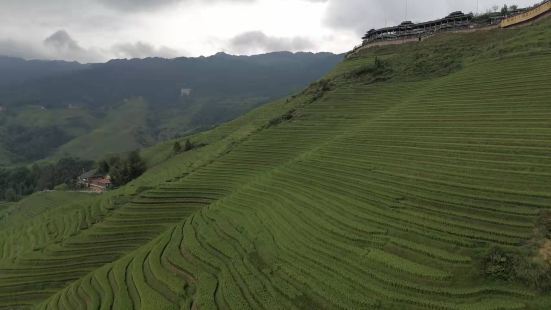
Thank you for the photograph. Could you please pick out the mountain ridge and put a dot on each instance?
(179, 95)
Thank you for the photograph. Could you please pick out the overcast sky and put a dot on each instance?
(98, 30)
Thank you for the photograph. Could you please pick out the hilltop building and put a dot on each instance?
(457, 21)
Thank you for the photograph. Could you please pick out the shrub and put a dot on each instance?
(188, 146)
(280, 119)
(176, 148)
(379, 70)
(500, 264)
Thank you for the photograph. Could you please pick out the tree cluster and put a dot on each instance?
(514, 266)
(122, 169)
(178, 148)
(16, 183)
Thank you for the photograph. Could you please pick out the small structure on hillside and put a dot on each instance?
(185, 92)
(94, 181)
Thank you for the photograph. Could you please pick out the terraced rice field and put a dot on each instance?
(378, 195)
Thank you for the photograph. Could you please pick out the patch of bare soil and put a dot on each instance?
(545, 251)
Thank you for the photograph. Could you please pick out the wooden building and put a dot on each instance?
(454, 21)
(94, 181)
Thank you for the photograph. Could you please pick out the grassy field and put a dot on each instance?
(382, 187)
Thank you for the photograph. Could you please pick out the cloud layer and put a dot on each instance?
(253, 42)
(97, 30)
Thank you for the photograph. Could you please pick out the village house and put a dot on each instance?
(94, 181)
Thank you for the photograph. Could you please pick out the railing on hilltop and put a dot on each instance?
(528, 15)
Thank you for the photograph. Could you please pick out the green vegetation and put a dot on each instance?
(22, 181)
(123, 170)
(428, 189)
(30, 144)
(59, 109)
(188, 146)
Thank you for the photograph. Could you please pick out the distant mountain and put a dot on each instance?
(84, 108)
(160, 81)
(16, 70)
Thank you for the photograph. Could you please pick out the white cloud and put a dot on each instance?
(143, 50)
(103, 29)
(254, 42)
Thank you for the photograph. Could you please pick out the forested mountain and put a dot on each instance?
(16, 70)
(90, 110)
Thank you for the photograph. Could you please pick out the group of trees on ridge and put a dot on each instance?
(18, 182)
(122, 169)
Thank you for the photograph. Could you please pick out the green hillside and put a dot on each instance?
(412, 177)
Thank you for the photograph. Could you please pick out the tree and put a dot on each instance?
(504, 9)
(118, 175)
(177, 148)
(10, 195)
(136, 165)
(103, 166)
(18, 182)
(46, 178)
(67, 169)
(188, 146)
(124, 171)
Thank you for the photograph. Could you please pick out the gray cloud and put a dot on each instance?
(258, 42)
(137, 5)
(361, 15)
(104, 27)
(19, 49)
(142, 5)
(143, 50)
(60, 45)
(62, 41)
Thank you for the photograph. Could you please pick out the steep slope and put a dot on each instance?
(384, 186)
